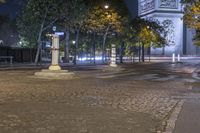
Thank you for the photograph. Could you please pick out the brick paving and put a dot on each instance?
(86, 105)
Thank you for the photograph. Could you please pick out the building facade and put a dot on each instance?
(169, 13)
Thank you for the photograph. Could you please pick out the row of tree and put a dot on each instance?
(90, 22)
(92, 25)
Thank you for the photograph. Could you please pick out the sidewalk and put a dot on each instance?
(189, 117)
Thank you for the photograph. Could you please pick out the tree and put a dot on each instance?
(147, 34)
(189, 1)
(36, 18)
(72, 16)
(192, 17)
(105, 21)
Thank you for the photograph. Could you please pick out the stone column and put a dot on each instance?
(113, 56)
(55, 53)
(179, 58)
(173, 58)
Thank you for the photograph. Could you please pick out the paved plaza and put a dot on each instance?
(141, 98)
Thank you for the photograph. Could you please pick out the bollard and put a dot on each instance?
(113, 56)
(173, 57)
(179, 59)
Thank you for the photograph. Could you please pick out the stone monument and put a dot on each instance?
(54, 71)
(55, 53)
(113, 56)
(113, 62)
(169, 13)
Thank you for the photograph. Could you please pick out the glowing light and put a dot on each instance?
(106, 6)
(88, 58)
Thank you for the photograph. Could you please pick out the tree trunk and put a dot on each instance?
(30, 55)
(121, 51)
(103, 47)
(39, 46)
(133, 52)
(104, 42)
(94, 47)
(142, 52)
(39, 39)
(66, 56)
(42, 28)
(139, 53)
(37, 53)
(76, 45)
(149, 54)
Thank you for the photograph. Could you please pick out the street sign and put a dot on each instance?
(59, 33)
(54, 28)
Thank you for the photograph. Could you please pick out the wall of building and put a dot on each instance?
(179, 37)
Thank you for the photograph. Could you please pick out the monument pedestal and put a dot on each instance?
(113, 65)
(54, 67)
(55, 74)
(54, 71)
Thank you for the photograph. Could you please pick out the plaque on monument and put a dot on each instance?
(169, 4)
(146, 5)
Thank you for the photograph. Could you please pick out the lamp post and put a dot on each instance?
(106, 6)
(54, 29)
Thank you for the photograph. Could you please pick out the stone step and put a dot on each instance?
(54, 71)
(55, 74)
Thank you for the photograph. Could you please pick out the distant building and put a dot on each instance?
(169, 13)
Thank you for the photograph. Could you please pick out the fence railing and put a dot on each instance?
(19, 54)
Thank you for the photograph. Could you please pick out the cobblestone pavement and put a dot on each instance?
(132, 101)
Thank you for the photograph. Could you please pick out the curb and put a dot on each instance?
(171, 122)
(195, 75)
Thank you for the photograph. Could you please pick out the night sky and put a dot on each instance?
(132, 6)
(12, 8)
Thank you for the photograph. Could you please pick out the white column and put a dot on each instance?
(179, 58)
(55, 53)
(113, 56)
(173, 57)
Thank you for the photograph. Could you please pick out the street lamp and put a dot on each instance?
(54, 29)
(196, 17)
(106, 6)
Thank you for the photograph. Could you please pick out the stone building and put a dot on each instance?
(169, 13)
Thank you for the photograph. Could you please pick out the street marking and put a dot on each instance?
(116, 75)
(165, 78)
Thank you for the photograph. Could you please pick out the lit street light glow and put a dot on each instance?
(2, 1)
(106, 6)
